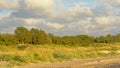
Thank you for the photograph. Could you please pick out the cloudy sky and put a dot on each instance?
(62, 17)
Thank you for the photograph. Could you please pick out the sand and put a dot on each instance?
(106, 62)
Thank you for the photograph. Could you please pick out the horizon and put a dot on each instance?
(62, 17)
(61, 35)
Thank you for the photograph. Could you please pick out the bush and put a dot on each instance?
(5, 57)
(37, 56)
(18, 58)
(21, 47)
(61, 56)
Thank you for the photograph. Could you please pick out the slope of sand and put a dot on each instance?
(107, 62)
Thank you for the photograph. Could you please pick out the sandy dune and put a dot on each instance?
(107, 62)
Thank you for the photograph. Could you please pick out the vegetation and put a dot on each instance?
(34, 36)
(34, 45)
(24, 54)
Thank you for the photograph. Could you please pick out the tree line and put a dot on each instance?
(39, 37)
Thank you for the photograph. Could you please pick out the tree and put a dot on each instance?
(117, 38)
(44, 38)
(23, 35)
(9, 39)
(1, 39)
(84, 39)
(100, 39)
(109, 39)
(68, 40)
(39, 37)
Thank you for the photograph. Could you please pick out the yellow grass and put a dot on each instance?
(54, 53)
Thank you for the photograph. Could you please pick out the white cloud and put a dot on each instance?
(31, 21)
(54, 25)
(118, 1)
(102, 19)
(1, 17)
(35, 9)
(105, 20)
(9, 4)
(39, 4)
(115, 2)
(73, 14)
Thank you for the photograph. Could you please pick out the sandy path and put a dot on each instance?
(108, 62)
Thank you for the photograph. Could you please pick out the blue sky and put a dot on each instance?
(5, 12)
(84, 3)
(62, 17)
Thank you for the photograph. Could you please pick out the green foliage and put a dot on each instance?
(23, 35)
(55, 48)
(4, 57)
(37, 56)
(100, 39)
(109, 39)
(39, 37)
(21, 47)
(35, 36)
(18, 58)
(62, 56)
(8, 39)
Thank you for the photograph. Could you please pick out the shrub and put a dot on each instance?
(62, 56)
(21, 47)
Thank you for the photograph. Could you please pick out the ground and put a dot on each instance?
(106, 62)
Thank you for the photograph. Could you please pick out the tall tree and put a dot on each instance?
(117, 38)
(100, 39)
(1, 39)
(109, 39)
(39, 37)
(35, 36)
(23, 35)
(43, 37)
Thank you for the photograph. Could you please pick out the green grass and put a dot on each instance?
(53, 53)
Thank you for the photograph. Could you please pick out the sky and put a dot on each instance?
(62, 17)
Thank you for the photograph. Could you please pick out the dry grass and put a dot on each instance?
(53, 53)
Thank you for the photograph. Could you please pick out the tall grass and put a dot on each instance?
(20, 55)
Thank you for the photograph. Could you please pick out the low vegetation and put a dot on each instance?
(53, 53)
(36, 46)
